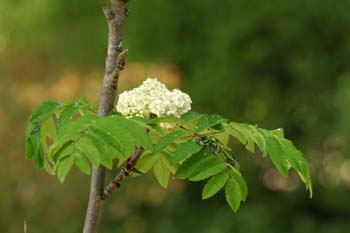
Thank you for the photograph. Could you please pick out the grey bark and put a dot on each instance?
(115, 61)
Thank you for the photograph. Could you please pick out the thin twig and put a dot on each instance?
(25, 228)
(124, 172)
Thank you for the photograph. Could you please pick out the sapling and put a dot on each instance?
(150, 128)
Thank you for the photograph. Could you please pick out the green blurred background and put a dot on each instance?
(273, 63)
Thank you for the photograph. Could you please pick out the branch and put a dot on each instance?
(115, 55)
(108, 13)
(115, 61)
(124, 172)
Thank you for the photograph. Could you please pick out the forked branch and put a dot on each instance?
(124, 172)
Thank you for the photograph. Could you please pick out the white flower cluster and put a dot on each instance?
(153, 98)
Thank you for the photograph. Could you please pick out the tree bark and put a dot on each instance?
(115, 61)
(124, 172)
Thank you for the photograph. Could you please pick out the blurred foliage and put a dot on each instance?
(274, 63)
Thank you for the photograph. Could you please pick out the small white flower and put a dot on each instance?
(153, 98)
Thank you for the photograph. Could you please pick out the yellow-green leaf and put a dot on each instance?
(233, 194)
(214, 185)
(162, 173)
(64, 167)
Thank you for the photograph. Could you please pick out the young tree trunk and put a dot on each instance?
(115, 61)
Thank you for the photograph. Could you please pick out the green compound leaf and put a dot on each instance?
(169, 139)
(117, 133)
(73, 130)
(89, 149)
(43, 111)
(207, 170)
(257, 136)
(126, 132)
(110, 141)
(223, 137)
(29, 147)
(144, 123)
(236, 175)
(35, 136)
(248, 137)
(184, 150)
(37, 153)
(161, 172)
(140, 136)
(82, 138)
(214, 185)
(191, 116)
(233, 194)
(191, 120)
(66, 115)
(146, 162)
(166, 160)
(107, 152)
(208, 121)
(278, 132)
(277, 154)
(70, 133)
(63, 152)
(64, 167)
(82, 163)
(197, 163)
(298, 162)
(234, 133)
(48, 168)
(48, 129)
(99, 139)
